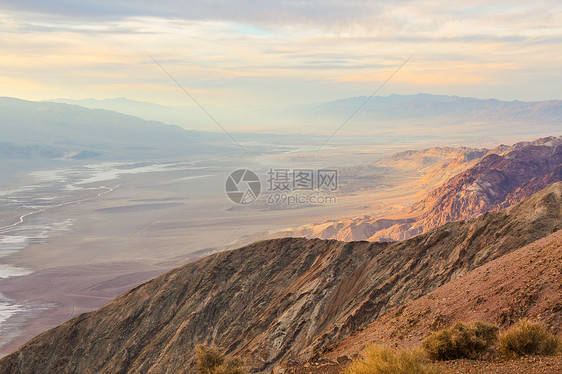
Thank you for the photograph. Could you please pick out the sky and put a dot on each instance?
(265, 52)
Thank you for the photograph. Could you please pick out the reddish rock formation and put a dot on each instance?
(505, 176)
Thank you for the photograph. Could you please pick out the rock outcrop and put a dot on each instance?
(503, 177)
(278, 300)
(526, 283)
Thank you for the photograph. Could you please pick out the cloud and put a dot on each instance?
(261, 50)
(383, 16)
(241, 11)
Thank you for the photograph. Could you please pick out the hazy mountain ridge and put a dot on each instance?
(188, 116)
(278, 300)
(421, 116)
(74, 129)
(395, 107)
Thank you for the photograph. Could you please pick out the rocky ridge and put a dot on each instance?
(278, 300)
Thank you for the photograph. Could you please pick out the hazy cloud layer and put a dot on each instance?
(240, 52)
(391, 16)
(262, 12)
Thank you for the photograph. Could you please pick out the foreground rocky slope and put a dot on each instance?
(505, 176)
(526, 283)
(278, 300)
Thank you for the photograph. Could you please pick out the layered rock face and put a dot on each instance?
(503, 177)
(278, 300)
(526, 283)
(497, 181)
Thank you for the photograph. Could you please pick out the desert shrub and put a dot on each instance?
(463, 340)
(528, 338)
(210, 360)
(234, 366)
(377, 359)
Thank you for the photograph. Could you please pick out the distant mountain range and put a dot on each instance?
(50, 130)
(466, 109)
(188, 116)
(421, 116)
(53, 130)
(99, 129)
(290, 299)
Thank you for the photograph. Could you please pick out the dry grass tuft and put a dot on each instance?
(377, 359)
(528, 338)
(463, 340)
(210, 360)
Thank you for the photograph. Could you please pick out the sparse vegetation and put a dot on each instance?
(377, 359)
(528, 338)
(463, 340)
(210, 360)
